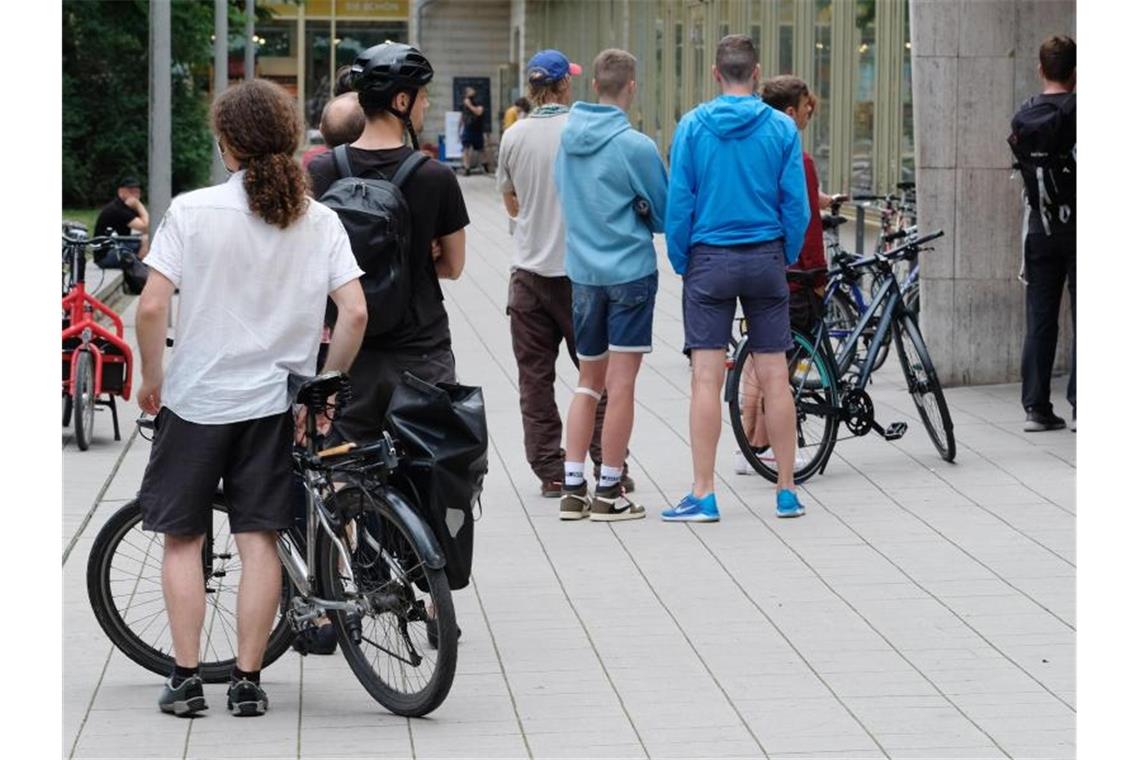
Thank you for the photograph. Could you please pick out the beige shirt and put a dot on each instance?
(526, 167)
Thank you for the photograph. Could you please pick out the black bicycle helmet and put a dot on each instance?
(389, 68)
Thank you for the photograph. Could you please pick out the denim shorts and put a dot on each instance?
(614, 317)
(717, 276)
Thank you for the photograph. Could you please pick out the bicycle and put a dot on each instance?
(364, 557)
(96, 358)
(823, 396)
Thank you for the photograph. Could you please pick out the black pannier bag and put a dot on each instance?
(443, 431)
(135, 273)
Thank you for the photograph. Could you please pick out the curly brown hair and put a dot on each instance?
(261, 126)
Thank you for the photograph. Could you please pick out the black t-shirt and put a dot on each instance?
(471, 122)
(116, 215)
(437, 208)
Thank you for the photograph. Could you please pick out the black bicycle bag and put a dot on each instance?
(443, 431)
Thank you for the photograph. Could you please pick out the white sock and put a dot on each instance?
(574, 474)
(610, 476)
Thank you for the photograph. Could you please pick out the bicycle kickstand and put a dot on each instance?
(114, 416)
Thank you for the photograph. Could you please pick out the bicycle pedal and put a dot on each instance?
(895, 431)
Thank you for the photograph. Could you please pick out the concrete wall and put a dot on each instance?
(463, 38)
(974, 62)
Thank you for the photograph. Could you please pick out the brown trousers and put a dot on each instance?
(541, 319)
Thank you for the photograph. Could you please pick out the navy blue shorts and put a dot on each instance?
(717, 276)
(614, 317)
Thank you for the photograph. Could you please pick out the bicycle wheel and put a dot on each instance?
(814, 384)
(124, 586)
(911, 300)
(922, 383)
(390, 649)
(84, 400)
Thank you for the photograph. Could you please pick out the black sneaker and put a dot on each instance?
(319, 640)
(185, 700)
(245, 698)
(1038, 421)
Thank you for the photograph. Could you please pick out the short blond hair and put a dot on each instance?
(614, 69)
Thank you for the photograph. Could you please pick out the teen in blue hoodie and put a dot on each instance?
(737, 214)
(613, 188)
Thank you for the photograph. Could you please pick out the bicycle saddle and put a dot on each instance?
(831, 221)
(314, 391)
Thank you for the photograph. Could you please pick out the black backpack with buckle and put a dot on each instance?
(379, 225)
(1043, 139)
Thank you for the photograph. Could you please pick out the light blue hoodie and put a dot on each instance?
(603, 166)
(737, 178)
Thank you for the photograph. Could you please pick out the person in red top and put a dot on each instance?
(792, 96)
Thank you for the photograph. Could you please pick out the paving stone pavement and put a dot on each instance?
(920, 609)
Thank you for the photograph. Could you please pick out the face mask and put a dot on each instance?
(222, 156)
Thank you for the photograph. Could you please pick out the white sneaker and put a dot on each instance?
(769, 459)
(741, 466)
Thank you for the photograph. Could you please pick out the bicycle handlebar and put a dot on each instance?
(908, 248)
(88, 241)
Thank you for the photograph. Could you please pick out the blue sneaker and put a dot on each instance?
(692, 509)
(787, 505)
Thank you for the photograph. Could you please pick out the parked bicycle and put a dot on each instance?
(824, 396)
(364, 557)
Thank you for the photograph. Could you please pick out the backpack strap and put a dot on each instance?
(407, 168)
(340, 159)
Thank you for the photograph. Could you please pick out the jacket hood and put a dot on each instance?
(591, 126)
(733, 116)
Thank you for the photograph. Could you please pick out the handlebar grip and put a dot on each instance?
(910, 244)
(344, 448)
(866, 197)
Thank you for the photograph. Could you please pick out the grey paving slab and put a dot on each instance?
(920, 609)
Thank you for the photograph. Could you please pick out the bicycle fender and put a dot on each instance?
(418, 530)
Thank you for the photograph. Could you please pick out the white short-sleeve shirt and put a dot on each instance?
(252, 301)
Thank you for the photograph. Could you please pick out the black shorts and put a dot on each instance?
(472, 139)
(253, 459)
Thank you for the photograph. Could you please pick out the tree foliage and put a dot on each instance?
(105, 94)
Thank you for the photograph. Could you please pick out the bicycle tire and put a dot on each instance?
(380, 548)
(112, 541)
(66, 411)
(83, 405)
(925, 389)
(815, 390)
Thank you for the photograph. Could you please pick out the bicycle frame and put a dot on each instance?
(884, 303)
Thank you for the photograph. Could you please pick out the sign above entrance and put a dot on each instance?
(396, 10)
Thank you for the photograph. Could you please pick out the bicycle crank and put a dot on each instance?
(858, 412)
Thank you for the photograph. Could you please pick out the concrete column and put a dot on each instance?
(159, 155)
(973, 63)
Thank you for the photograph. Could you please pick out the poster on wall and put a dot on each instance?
(451, 143)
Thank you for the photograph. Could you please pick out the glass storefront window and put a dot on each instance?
(318, 71)
(698, 40)
(787, 36)
(679, 43)
(862, 164)
(821, 119)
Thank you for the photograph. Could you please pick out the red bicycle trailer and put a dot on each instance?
(97, 361)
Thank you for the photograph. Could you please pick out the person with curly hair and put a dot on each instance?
(254, 260)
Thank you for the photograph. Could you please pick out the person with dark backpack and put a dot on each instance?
(405, 216)
(1043, 139)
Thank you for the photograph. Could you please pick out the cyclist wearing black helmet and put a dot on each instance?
(391, 80)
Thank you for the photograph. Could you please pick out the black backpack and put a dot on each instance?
(1043, 140)
(379, 226)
